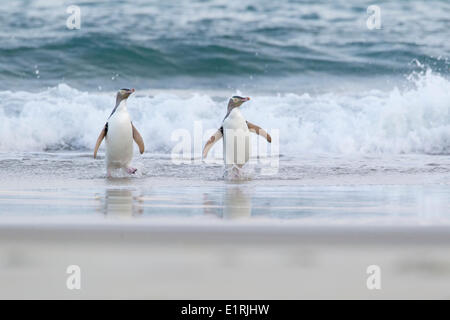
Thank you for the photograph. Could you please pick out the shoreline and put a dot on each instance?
(234, 232)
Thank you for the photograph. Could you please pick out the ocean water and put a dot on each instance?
(313, 68)
(283, 46)
(349, 108)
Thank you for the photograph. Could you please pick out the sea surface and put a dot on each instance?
(360, 118)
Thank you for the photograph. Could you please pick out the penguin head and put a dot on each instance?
(124, 93)
(236, 101)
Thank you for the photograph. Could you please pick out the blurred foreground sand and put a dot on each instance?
(223, 262)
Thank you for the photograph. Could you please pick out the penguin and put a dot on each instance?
(235, 131)
(120, 132)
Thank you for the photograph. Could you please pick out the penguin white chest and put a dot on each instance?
(236, 143)
(119, 139)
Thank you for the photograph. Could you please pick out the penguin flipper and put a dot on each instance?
(214, 138)
(100, 139)
(256, 129)
(138, 139)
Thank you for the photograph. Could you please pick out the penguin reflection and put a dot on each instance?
(237, 203)
(120, 203)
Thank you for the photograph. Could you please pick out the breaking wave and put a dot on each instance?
(412, 119)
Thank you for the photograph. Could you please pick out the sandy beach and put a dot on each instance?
(223, 262)
(168, 237)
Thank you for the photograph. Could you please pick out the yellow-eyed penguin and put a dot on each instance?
(236, 133)
(120, 132)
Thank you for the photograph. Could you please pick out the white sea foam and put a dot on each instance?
(415, 119)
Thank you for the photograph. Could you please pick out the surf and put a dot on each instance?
(413, 118)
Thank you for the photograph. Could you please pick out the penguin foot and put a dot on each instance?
(131, 170)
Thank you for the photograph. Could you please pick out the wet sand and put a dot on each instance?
(222, 244)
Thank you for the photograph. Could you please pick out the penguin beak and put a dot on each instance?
(246, 99)
(132, 90)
